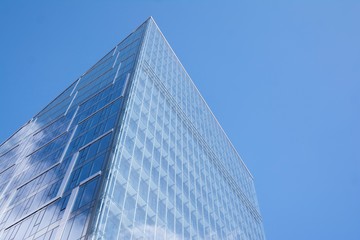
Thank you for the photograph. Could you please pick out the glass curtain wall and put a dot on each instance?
(175, 174)
(52, 168)
(129, 151)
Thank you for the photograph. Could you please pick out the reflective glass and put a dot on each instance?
(129, 151)
(174, 157)
(52, 168)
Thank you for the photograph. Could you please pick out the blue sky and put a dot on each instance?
(282, 77)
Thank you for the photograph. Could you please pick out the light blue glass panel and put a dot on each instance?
(173, 162)
(130, 150)
(52, 168)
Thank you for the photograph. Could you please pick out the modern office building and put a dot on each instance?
(129, 151)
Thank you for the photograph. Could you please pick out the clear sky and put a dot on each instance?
(282, 77)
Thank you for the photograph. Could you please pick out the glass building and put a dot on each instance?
(129, 151)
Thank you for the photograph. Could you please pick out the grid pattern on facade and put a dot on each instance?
(52, 167)
(168, 180)
(129, 151)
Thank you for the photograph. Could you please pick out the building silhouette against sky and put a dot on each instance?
(129, 151)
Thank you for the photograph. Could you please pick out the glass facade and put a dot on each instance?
(129, 151)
